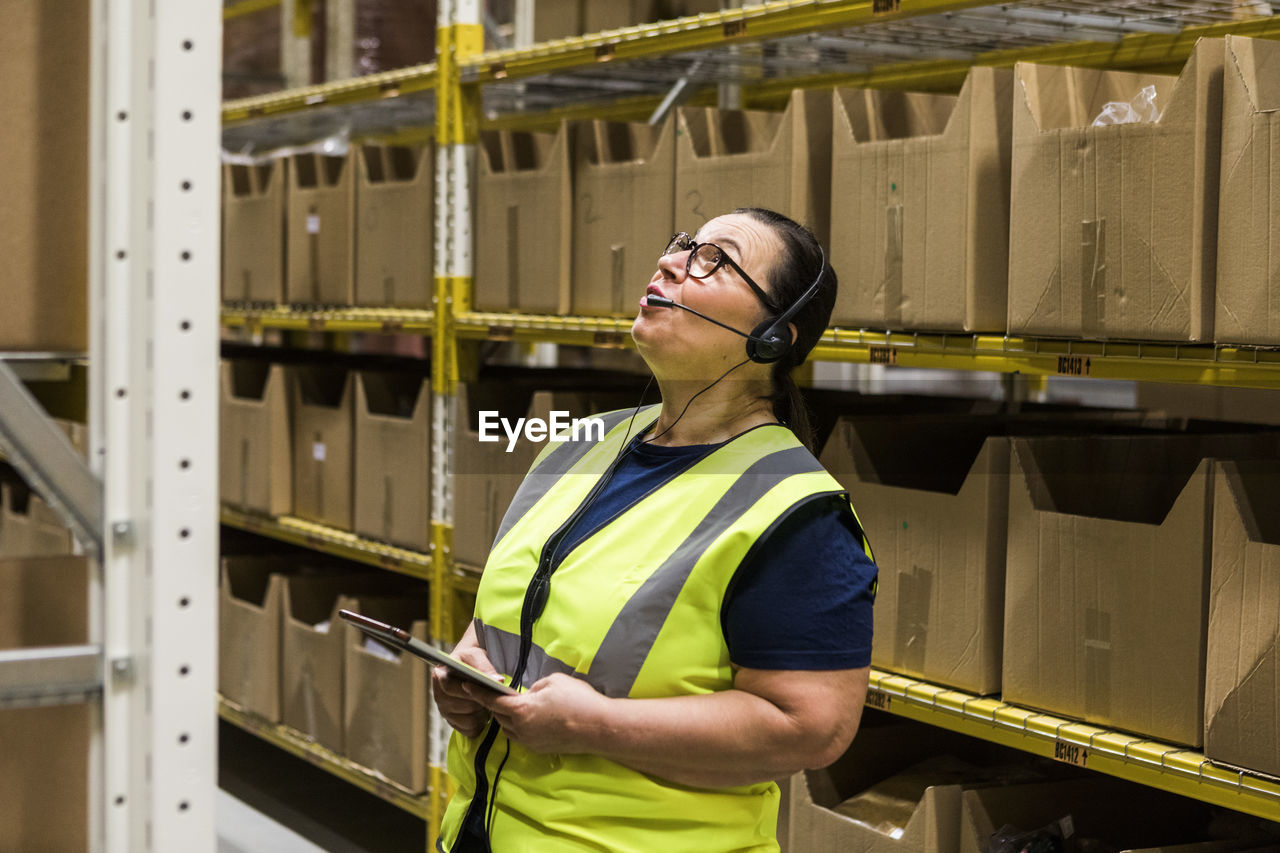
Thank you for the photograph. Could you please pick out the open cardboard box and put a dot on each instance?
(253, 224)
(320, 243)
(523, 222)
(727, 159)
(395, 229)
(255, 441)
(322, 444)
(1242, 681)
(1107, 577)
(920, 206)
(624, 180)
(1114, 230)
(385, 712)
(249, 614)
(44, 752)
(393, 458)
(1248, 293)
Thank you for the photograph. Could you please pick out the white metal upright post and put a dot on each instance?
(154, 337)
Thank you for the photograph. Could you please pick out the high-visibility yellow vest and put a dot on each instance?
(635, 611)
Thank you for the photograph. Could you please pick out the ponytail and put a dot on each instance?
(789, 405)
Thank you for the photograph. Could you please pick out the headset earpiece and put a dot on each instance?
(766, 345)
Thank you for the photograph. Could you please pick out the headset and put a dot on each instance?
(771, 340)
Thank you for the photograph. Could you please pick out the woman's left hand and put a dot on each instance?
(556, 715)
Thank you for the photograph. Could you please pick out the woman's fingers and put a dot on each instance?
(476, 658)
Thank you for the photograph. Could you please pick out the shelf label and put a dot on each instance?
(883, 355)
(1071, 753)
(885, 7)
(610, 340)
(1074, 365)
(605, 52)
(392, 325)
(501, 333)
(878, 699)
(735, 28)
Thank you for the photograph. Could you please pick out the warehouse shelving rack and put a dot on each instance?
(144, 506)
(624, 75)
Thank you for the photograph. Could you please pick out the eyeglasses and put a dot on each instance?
(705, 258)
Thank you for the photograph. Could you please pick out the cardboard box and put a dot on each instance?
(322, 445)
(44, 752)
(727, 159)
(920, 206)
(320, 242)
(624, 181)
(1243, 405)
(1107, 577)
(1242, 690)
(255, 439)
(253, 224)
(44, 175)
(395, 243)
(393, 458)
(312, 655)
(1113, 230)
(1248, 295)
(1120, 814)
(523, 222)
(558, 19)
(385, 715)
(249, 614)
(28, 527)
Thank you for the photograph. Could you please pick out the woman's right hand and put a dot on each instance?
(466, 715)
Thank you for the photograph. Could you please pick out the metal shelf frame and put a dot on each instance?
(1171, 768)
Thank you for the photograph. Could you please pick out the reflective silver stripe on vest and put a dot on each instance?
(627, 643)
(549, 470)
(503, 649)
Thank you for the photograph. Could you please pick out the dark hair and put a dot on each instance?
(795, 270)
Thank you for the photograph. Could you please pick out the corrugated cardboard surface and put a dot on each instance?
(28, 527)
(940, 551)
(743, 158)
(524, 199)
(253, 224)
(249, 613)
(386, 708)
(920, 206)
(1248, 295)
(44, 752)
(1122, 815)
(320, 242)
(624, 179)
(395, 251)
(311, 661)
(255, 439)
(393, 458)
(1107, 576)
(1113, 230)
(322, 445)
(44, 175)
(1242, 682)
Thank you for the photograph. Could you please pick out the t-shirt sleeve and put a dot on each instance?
(803, 599)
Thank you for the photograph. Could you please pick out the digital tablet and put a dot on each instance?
(401, 639)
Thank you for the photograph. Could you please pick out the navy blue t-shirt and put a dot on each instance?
(802, 598)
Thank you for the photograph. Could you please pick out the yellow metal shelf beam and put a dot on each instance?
(296, 743)
(232, 11)
(331, 540)
(732, 26)
(387, 84)
(400, 321)
(1176, 769)
(578, 331)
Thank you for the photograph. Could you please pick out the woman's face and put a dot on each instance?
(679, 345)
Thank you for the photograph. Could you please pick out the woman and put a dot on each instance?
(687, 603)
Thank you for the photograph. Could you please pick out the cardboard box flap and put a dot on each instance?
(1086, 91)
(322, 386)
(254, 181)
(313, 171)
(933, 456)
(508, 151)
(603, 143)
(396, 396)
(1126, 478)
(393, 164)
(246, 379)
(709, 132)
(1252, 489)
(1257, 62)
(248, 580)
(873, 115)
(313, 601)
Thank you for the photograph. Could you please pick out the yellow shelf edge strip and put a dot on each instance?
(1173, 768)
(331, 540)
(296, 743)
(372, 320)
(372, 87)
